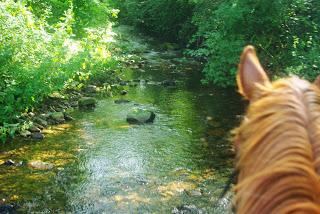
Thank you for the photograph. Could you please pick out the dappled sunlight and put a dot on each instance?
(73, 48)
(132, 197)
(175, 188)
(125, 126)
(18, 183)
(59, 158)
(38, 177)
(58, 129)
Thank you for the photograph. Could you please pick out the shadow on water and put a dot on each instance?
(178, 164)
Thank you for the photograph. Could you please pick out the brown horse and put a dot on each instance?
(278, 143)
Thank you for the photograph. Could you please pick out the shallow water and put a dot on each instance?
(104, 165)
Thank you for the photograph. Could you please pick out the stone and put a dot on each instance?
(9, 163)
(187, 209)
(25, 133)
(209, 118)
(168, 83)
(44, 116)
(141, 64)
(57, 116)
(91, 89)
(74, 104)
(67, 117)
(37, 136)
(87, 103)
(195, 192)
(121, 101)
(20, 163)
(40, 165)
(140, 116)
(123, 92)
(34, 128)
(154, 83)
(7, 208)
(31, 114)
(52, 122)
(134, 66)
(123, 83)
(38, 125)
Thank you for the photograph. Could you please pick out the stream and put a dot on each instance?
(178, 164)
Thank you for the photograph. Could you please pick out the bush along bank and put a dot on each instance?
(45, 69)
(285, 33)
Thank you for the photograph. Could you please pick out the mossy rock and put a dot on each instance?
(140, 116)
(57, 116)
(40, 121)
(87, 103)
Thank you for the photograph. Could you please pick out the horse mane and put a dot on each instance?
(278, 150)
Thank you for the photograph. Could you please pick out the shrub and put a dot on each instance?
(284, 32)
(37, 58)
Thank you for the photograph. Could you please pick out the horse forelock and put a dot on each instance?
(281, 131)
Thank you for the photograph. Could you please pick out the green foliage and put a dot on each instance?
(37, 58)
(284, 32)
(166, 19)
(86, 13)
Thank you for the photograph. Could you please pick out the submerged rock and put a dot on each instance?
(67, 117)
(168, 83)
(87, 103)
(12, 163)
(74, 104)
(40, 165)
(187, 209)
(123, 83)
(7, 208)
(140, 116)
(9, 163)
(194, 193)
(121, 101)
(124, 92)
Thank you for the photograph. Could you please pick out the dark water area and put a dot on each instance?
(178, 164)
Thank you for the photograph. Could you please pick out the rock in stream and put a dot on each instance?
(40, 165)
(87, 103)
(140, 116)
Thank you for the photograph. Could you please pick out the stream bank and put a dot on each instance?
(102, 164)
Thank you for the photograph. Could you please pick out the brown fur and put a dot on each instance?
(278, 149)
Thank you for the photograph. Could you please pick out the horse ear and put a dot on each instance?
(317, 81)
(250, 72)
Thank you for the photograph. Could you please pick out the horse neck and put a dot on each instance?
(279, 151)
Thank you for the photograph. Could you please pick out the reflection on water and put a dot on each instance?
(104, 165)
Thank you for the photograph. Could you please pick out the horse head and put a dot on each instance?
(277, 143)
